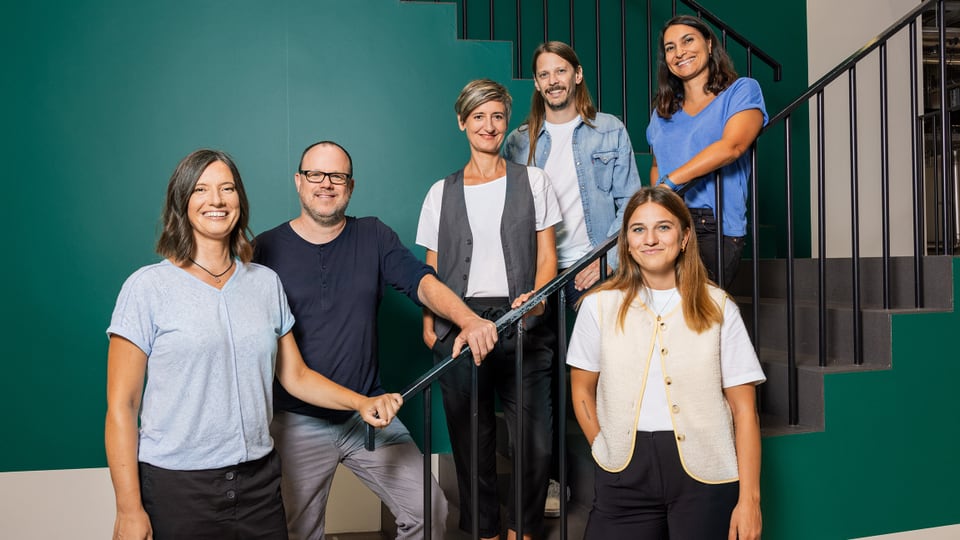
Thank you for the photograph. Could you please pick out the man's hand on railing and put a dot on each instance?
(480, 335)
(378, 411)
(588, 276)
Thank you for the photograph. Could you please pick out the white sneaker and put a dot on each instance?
(551, 507)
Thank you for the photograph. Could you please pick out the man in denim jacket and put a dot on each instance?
(590, 162)
(587, 155)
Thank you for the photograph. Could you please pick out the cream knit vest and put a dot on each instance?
(702, 421)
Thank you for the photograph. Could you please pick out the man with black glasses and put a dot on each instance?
(334, 269)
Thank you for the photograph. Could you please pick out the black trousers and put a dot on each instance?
(230, 503)
(497, 376)
(705, 225)
(655, 499)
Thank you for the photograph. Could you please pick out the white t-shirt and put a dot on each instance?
(572, 239)
(488, 270)
(738, 361)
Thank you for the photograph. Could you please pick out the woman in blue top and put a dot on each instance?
(705, 119)
(195, 342)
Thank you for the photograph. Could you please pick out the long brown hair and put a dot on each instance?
(699, 310)
(582, 99)
(669, 97)
(176, 240)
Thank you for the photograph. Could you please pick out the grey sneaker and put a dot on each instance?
(551, 508)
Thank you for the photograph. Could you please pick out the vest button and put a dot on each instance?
(465, 276)
(663, 351)
(467, 259)
(681, 437)
(676, 408)
(668, 380)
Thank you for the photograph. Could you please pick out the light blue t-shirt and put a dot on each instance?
(208, 396)
(677, 140)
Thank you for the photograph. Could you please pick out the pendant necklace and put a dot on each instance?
(650, 303)
(216, 277)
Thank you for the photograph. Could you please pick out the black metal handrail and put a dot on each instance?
(512, 318)
(844, 67)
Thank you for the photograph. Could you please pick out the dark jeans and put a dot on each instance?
(236, 503)
(497, 375)
(655, 499)
(705, 225)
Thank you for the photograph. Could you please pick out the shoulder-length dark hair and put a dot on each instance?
(699, 310)
(581, 96)
(669, 97)
(176, 240)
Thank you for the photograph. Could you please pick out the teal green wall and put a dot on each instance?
(101, 99)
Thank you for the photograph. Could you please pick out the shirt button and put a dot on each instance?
(676, 408)
(231, 495)
(668, 380)
(230, 475)
(681, 437)
(663, 351)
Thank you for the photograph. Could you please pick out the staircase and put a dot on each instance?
(838, 331)
(806, 347)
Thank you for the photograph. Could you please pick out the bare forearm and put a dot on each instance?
(583, 392)
(121, 441)
(747, 440)
(439, 299)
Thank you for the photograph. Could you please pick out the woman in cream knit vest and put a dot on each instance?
(678, 458)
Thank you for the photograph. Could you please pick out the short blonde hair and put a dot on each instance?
(478, 92)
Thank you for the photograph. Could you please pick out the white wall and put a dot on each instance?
(78, 504)
(835, 30)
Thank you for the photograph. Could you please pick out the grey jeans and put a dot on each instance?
(310, 450)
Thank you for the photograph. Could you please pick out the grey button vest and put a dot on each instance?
(518, 234)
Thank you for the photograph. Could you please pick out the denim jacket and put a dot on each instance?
(606, 170)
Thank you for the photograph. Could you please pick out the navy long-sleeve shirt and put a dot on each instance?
(334, 291)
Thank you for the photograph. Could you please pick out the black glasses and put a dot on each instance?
(316, 177)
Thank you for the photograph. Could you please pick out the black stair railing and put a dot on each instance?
(942, 235)
(512, 319)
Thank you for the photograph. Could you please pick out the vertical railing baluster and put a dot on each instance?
(546, 22)
(821, 232)
(623, 61)
(562, 405)
(750, 61)
(945, 158)
(919, 247)
(596, 18)
(884, 179)
(493, 18)
(463, 20)
(427, 465)
(651, 70)
(855, 220)
(475, 451)
(755, 245)
(572, 37)
(718, 216)
(518, 442)
(793, 395)
(518, 72)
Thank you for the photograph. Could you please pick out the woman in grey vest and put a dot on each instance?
(488, 231)
(663, 380)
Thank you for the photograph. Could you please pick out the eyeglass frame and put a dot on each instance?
(326, 176)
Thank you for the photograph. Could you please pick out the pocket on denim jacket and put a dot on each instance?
(603, 163)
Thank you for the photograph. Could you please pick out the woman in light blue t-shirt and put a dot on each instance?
(705, 120)
(195, 343)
